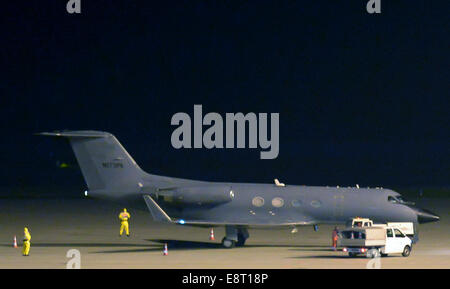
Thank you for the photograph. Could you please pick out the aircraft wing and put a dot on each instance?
(158, 214)
(200, 223)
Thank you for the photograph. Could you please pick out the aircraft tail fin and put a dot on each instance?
(104, 162)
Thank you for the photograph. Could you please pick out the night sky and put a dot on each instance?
(362, 98)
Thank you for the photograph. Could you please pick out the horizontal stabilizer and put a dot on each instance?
(157, 213)
(84, 134)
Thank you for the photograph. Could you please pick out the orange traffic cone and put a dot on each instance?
(165, 252)
(15, 242)
(211, 235)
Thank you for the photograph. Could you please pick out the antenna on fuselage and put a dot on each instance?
(278, 184)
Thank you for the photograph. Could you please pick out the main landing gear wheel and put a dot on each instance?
(241, 240)
(227, 243)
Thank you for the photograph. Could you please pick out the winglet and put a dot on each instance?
(157, 213)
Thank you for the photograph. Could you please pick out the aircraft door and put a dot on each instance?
(338, 206)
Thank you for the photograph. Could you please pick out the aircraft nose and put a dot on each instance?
(425, 216)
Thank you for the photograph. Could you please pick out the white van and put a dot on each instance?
(375, 241)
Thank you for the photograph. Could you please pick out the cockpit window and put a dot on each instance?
(399, 200)
(392, 199)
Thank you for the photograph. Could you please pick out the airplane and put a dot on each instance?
(112, 174)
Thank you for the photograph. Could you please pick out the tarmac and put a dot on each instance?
(92, 228)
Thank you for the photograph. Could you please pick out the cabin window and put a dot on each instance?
(277, 202)
(316, 203)
(296, 203)
(258, 202)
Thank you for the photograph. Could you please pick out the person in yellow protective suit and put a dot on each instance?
(26, 242)
(124, 217)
